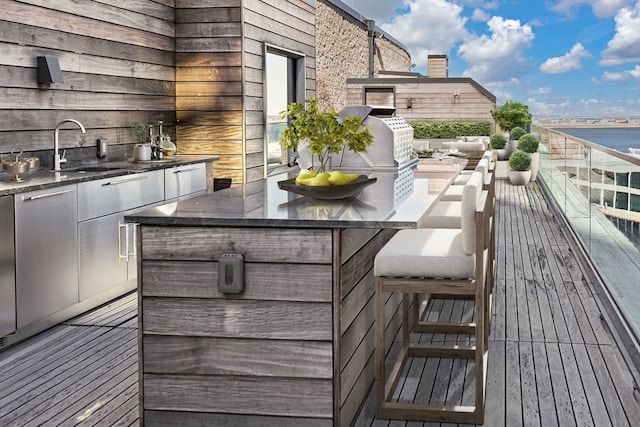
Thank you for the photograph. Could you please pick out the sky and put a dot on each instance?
(563, 58)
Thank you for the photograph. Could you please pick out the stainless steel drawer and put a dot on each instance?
(186, 179)
(117, 194)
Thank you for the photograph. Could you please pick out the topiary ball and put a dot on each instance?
(497, 141)
(528, 143)
(519, 161)
(516, 133)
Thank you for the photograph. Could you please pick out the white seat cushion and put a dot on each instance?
(453, 193)
(464, 146)
(425, 253)
(462, 178)
(446, 214)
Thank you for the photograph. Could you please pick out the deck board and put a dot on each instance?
(552, 361)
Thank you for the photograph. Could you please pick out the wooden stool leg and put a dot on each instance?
(379, 347)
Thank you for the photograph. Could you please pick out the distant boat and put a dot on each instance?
(635, 152)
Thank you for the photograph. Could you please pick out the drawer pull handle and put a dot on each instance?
(185, 170)
(42, 196)
(124, 181)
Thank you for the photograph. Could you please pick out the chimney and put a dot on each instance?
(438, 66)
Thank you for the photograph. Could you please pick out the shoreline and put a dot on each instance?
(586, 125)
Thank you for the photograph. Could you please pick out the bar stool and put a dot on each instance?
(454, 192)
(446, 262)
(448, 214)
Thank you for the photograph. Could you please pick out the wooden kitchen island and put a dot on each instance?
(296, 346)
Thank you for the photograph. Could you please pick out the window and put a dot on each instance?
(380, 96)
(284, 80)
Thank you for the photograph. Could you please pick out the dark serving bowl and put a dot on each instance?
(329, 192)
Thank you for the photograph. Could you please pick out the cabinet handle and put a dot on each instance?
(42, 196)
(122, 257)
(124, 181)
(185, 170)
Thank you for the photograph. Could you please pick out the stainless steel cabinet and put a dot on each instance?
(185, 180)
(106, 243)
(46, 252)
(7, 268)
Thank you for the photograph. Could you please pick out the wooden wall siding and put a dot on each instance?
(117, 60)
(209, 104)
(285, 24)
(307, 324)
(264, 353)
(432, 100)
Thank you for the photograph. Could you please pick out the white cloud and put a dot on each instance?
(429, 27)
(625, 45)
(570, 61)
(541, 91)
(600, 8)
(499, 56)
(609, 76)
(479, 15)
(635, 73)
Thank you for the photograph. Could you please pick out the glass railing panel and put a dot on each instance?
(598, 191)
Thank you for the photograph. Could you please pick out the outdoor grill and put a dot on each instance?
(391, 151)
(392, 140)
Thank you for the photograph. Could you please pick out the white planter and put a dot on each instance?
(535, 165)
(501, 153)
(513, 146)
(519, 177)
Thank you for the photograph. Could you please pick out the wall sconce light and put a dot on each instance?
(409, 103)
(49, 70)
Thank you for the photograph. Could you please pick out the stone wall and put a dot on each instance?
(342, 52)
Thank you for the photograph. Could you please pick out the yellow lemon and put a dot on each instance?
(342, 178)
(305, 174)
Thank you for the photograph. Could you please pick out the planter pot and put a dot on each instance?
(501, 153)
(513, 146)
(519, 177)
(535, 165)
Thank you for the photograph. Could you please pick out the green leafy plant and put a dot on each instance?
(324, 131)
(519, 161)
(528, 143)
(140, 130)
(424, 130)
(512, 114)
(516, 133)
(497, 141)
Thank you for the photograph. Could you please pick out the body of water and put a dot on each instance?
(616, 138)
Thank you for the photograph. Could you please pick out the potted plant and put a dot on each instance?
(514, 135)
(140, 130)
(519, 172)
(512, 114)
(324, 131)
(497, 142)
(529, 143)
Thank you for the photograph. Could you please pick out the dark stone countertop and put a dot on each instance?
(72, 173)
(399, 199)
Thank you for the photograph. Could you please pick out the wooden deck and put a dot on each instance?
(552, 361)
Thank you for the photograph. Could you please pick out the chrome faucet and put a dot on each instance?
(57, 160)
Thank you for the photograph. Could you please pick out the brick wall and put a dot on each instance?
(342, 52)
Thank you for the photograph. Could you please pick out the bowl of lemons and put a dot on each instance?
(326, 185)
